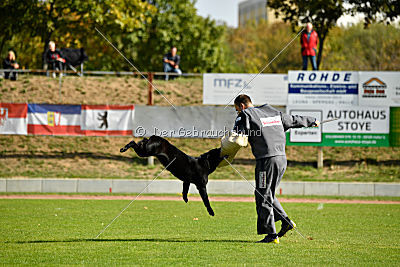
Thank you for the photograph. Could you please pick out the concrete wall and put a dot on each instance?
(60, 185)
(23, 185)
(175, 186)
(3, 185)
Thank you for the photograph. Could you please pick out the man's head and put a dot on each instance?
(52, 46)
(309, 27)
(173, 50)
(242, 102)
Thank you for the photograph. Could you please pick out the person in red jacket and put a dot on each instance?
(309, 41)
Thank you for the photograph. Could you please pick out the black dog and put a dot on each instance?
(184, 167)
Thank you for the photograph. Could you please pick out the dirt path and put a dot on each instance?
(196, 198)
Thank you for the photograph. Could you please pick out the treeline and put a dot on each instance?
(145, 30)
(376, 47)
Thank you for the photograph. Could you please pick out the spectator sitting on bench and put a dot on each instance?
(54, 58)
(10, 63)
(171, 62)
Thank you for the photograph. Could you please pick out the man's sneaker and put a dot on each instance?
(286, 226)
(269, 239)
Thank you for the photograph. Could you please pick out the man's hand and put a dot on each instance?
(169, 62)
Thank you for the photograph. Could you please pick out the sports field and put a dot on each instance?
(170, 232)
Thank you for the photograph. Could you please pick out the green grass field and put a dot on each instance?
(175, 233)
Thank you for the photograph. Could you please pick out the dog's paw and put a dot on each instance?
(185, 199)
(122, 150)
(211, 212)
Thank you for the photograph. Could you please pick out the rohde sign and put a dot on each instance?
(355, 126)
(324, 76)
(221, 88)
(323, 88)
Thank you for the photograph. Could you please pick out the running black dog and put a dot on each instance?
(184, 167)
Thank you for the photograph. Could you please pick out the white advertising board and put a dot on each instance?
(222, 88)
(323, 88)
(308, 134)
(379, 88)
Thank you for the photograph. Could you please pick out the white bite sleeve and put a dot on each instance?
(230, 145)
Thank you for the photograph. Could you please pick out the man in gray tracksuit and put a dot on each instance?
(265, 128)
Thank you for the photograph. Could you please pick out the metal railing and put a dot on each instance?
(99, 72)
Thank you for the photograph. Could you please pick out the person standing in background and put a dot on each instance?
(309, 42)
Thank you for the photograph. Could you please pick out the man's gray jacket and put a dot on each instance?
(266, 126)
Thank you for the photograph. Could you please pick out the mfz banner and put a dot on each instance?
(77, 120)
(221, 88)
(323, 88)
(355, 126)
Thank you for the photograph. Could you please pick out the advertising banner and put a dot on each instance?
(48, 119)
(183, 122)
(221, 88)
(323, 88)
(355, 126)
(13, 118)
(379, 88)
(103, 120)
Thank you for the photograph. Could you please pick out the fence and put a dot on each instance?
(148, 75)
(99, 72)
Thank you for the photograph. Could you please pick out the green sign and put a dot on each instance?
(348, 139)
(345, 126)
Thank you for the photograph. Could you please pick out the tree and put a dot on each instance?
(376, 11)
(254, 46)
(71, 23)
(77, 18)
(15, 15)
(373, 48)
(199, 40)
(323, 14)
(142, 29)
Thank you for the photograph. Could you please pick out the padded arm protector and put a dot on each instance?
(230, 145)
